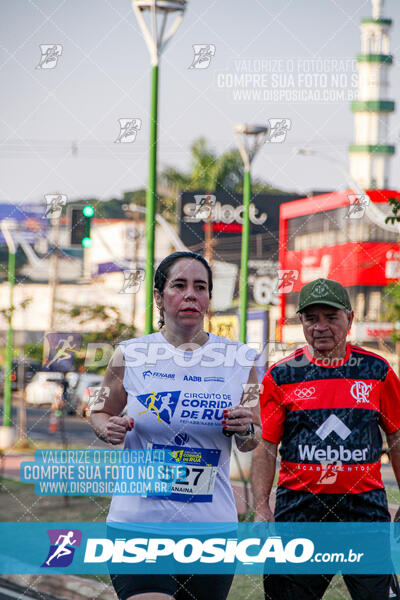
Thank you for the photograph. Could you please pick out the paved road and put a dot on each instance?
(77, 429)
(13, 592)
(79, 433)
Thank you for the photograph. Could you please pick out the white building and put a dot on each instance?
(371, 152)
(98, 278)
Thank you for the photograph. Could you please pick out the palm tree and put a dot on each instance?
(208, 171)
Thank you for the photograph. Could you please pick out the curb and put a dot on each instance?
(63, 587)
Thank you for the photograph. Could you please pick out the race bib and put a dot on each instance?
(197, 475)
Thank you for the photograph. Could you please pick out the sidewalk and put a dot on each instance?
(10, 467)
(10, 464)
(70, 587)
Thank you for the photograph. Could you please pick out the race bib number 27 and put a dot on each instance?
(197, 475)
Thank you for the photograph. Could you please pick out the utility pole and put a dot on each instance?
(21, 373)
(208, 249)
(136, 262)
(156, 37)
(249, 139)
(53, 273)
(7, 432)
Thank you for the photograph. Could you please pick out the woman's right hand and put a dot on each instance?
(117, 427)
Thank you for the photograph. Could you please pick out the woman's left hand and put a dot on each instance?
(237, 419)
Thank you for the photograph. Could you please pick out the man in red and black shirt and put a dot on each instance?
(324, 405)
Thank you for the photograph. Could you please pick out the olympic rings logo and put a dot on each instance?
(305, 392)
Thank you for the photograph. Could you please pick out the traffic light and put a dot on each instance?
(80, 225)
(88, 212)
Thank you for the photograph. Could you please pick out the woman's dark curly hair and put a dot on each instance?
(162, 272)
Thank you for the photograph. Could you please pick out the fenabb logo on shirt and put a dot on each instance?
(158, 374)
(332, 425)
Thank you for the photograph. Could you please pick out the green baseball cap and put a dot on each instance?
(324, 291)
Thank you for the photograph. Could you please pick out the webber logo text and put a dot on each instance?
(307, 452)
(190, 550)
(332, 425)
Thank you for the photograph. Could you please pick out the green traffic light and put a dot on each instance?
(86, 242)
(88, 211)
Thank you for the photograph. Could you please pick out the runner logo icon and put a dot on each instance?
(360, 391)
(329, 472)
(161, 404)
(62, 547)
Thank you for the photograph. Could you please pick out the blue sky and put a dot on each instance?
(103, 74)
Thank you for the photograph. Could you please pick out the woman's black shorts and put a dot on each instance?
(180, 587)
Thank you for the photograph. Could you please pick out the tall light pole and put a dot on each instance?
(6, 435)
(53, 275)
(249, 139)
(156, 38)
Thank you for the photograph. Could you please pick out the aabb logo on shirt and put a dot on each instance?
(192, 378)
(332, 425)
(161, 404)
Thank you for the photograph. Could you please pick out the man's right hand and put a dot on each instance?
(262, 477)
(117, 427)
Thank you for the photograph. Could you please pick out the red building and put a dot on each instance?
(326, 236)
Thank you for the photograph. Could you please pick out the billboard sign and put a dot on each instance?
(353, 263)
(59, 351)
(27, 219)
(225, 211)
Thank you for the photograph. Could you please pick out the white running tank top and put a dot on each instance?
(176, 399)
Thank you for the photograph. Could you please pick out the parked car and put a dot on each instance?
(29, 369)
(45, 387)
(80, 395)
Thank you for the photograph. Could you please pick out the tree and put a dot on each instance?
(20, 261)
(209, 172)
(395, 209)
(111, 327)
(392, 294)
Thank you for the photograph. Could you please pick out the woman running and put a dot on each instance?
(183, 391)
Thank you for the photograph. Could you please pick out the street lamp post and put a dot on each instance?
(156, 39)
(249, 139)
(6, 434)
